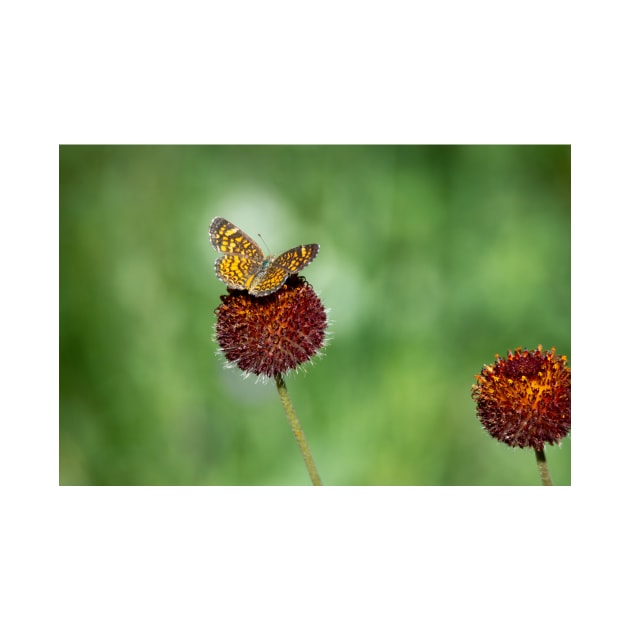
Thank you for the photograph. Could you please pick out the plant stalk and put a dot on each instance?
(543, 469)
(297, 431)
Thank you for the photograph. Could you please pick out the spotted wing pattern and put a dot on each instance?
(243, 257)
(294, 260)
(226, 238)
(244, 265)
(236, 271)
(275, 271)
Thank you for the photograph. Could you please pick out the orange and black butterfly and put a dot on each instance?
(244, 265)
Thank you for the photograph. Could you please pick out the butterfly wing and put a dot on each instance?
(274, 273)
(294, 260)
(236, 271)
(226, 238)
(269, 280)
(243, 257)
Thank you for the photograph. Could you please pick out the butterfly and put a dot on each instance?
(244, 265)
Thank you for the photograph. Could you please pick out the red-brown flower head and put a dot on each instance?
(271, 335)
(525, 400)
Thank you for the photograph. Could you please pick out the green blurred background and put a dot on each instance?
(432, 260)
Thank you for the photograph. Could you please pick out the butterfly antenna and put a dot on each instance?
(264, 243)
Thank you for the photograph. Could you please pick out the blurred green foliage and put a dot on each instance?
(433, 259)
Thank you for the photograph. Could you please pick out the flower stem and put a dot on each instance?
(543, 469)
(297, 431)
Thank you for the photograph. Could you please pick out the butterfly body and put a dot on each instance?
(244, 266)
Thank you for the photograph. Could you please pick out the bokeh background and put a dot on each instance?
(433, 259)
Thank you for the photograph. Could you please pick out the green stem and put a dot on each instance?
(543, 469)
(297, 431)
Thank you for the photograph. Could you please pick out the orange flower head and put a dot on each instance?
(268, 336)
(525, 400)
